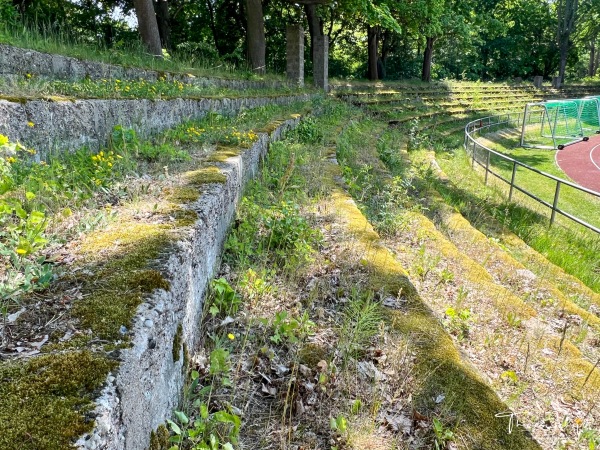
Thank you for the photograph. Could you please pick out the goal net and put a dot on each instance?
(556, 123)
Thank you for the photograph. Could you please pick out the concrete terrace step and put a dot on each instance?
(17, 62)
(165, 323)
(68, 125)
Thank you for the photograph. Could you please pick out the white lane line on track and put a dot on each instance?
(592, 156)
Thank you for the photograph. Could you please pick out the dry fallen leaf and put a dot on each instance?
(322, 366)
(269, 390)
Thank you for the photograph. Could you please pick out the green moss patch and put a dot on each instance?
(118, 285)
(183, 194)
(472, 403)
(223, 153)
(269, 128)
(159, 439)
(43, 401)
(177, 340)
(185, 217)
(205, 175)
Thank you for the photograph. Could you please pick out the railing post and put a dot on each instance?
(473, 155)
(487, 166)
(555, 203)
(512, 181)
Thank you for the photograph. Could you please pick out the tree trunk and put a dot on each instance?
(147, 26)
(315, 27)
(372, 33)
(213, 27)
(386, 48)
(256, 36)
(427, 56)
(567, 15)
(162, 19)
(563, 52)
(596, 63)
(591, 65)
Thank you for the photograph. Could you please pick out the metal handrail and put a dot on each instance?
(472, 146)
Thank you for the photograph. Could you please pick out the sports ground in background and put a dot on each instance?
(581, 162)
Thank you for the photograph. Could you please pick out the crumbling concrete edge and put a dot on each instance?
(148, 384)
(50, 127)
(16, 61)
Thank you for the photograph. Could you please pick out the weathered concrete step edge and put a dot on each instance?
(148, 384)
(64, 126)
(19, 61)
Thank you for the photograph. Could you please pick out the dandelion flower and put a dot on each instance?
(231, 336)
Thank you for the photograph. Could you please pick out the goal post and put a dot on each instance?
(556, 123)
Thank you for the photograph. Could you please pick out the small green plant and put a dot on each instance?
(362, 319)
(217, 430)
(220, 365)
(591, 438)
(308, 132)
(256, 285)
(225, 301)
(446, 276)
(356, 406)
(290, 329)
(458, 322)
(279, 231)
(415, 138)
(442, 435)
(513, 319)
(425, 262)
(338, 424)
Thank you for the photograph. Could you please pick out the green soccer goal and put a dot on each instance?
(589, 114)
(554, 124)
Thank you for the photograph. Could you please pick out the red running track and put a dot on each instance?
(581, 162)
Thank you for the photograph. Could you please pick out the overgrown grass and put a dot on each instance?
(38, 200)
(30, 87)
(469, 301)
(569, 246)
(132, 55)
(105, 274)
(571, 200)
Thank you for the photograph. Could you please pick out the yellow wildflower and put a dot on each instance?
(231, 336)
(3, 139)
(30, 124)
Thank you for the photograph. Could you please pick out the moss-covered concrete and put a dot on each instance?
(206, 175)
(223, 153)
(185, 217)
(470, 400)
(183, 194)
(121, 276)
(44, 401)
(177, 341)
(441, 369)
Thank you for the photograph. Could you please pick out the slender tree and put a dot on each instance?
(162, 18)
(256, 36)
(148, 26)
(372, 52)
(567, 17)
